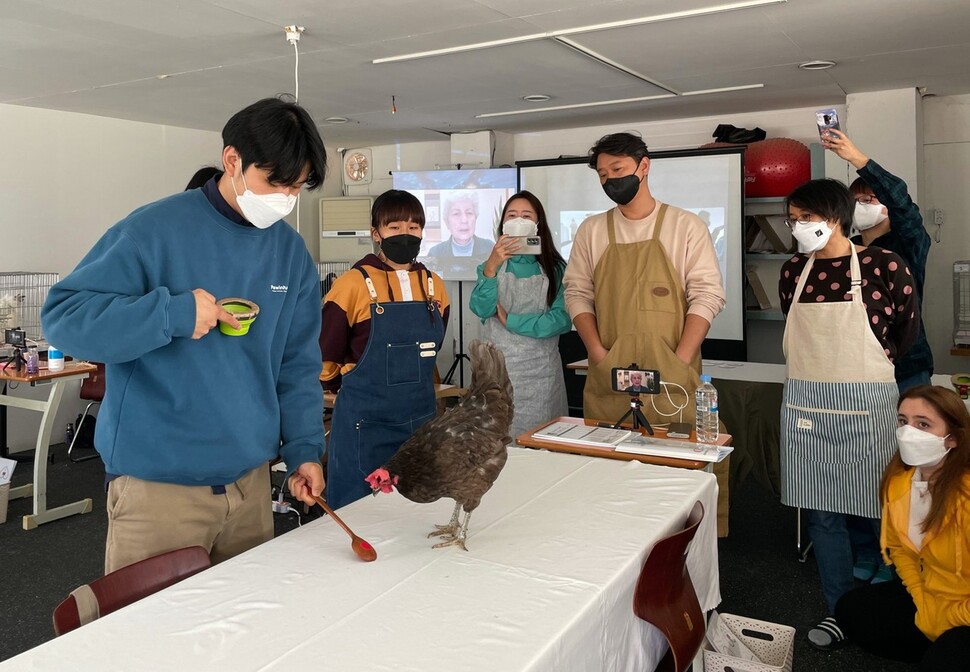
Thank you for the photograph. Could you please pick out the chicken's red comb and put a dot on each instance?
(381, 480)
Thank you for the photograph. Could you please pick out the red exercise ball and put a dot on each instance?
(775, 167)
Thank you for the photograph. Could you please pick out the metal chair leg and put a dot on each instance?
(77, 432)
(802, 552)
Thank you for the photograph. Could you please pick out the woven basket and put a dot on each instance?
(773, 644)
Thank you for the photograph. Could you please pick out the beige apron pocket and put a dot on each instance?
(621, 355)
(829, 436)
(657, 296)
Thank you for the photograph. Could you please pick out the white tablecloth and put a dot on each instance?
(555, 550)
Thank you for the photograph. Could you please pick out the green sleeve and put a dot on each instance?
(484, 298)
(551, 322)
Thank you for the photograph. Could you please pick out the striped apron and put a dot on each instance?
(838, 417)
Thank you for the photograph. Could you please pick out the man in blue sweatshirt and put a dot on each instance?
(192, 416)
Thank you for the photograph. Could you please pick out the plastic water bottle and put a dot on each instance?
(33, 360)
(55, 359)
(705, 406)
(69, 433)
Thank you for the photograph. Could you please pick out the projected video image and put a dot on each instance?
(462, 209)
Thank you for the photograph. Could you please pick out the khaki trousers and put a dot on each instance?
(146, 518)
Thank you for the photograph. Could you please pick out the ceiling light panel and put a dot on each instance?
(584, 29)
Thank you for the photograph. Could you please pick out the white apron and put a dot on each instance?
(534, 364)
(838, 418)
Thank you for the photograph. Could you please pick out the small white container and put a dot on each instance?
(55, 359)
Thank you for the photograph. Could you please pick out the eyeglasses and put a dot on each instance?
(867, 200)
(790, 223)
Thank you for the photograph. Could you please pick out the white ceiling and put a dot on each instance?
(105, 57)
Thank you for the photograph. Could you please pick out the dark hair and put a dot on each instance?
(550, 260)
(278, 136)
(859, 186)
(619, 144)
(826, 198)
(947, 484)
(202, 175)
(395, 205)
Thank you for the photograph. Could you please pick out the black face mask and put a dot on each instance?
(622, 190)
(401, 249)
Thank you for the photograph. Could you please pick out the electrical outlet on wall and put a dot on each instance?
(938, 216)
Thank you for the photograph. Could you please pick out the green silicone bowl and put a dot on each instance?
(243, 310)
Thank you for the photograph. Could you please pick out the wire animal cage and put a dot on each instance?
(961, 303)
(22, 294)
(330, 271)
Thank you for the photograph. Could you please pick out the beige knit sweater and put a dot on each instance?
(686, 240)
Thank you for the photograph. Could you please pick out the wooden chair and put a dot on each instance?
(126, 585)
(443, 392)
(92, 389)
(665, 596)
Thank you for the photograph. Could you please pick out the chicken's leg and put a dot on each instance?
(458, 538)
(450, 529)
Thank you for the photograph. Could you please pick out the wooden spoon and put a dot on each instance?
(363, 549)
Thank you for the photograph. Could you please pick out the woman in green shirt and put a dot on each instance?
(520, 300)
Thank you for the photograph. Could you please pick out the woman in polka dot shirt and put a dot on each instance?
(850, 311)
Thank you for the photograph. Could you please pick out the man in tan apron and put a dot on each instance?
(642, 287)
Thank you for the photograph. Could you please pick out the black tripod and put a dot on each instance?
(16, 360)
(639, 420)
(456, 366)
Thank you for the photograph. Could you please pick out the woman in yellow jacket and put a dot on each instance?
(924, 618)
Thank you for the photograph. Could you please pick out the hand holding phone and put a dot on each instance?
(826, 120)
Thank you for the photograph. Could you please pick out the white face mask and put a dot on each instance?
(811, 236)
(918, 448)
(867, 215)
(263, 210)
(520, 227)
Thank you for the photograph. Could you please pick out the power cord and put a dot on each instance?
(293, 37)
(680, 409)
(280, 505)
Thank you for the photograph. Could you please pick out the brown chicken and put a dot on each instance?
(460, 453)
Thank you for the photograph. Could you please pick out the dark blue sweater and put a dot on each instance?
(195, 412)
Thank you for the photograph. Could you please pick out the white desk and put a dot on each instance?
(38, 487)
(555, 550)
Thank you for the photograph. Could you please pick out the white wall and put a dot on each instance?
(946, 171)
(888, 126)
(66, 179)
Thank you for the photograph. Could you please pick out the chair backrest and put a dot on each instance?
(126, 585)
(665, 595)
(92, 387)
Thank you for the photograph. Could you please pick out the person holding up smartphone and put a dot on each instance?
(519, 298)
(885, 216)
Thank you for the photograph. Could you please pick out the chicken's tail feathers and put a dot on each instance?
(488, 367)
